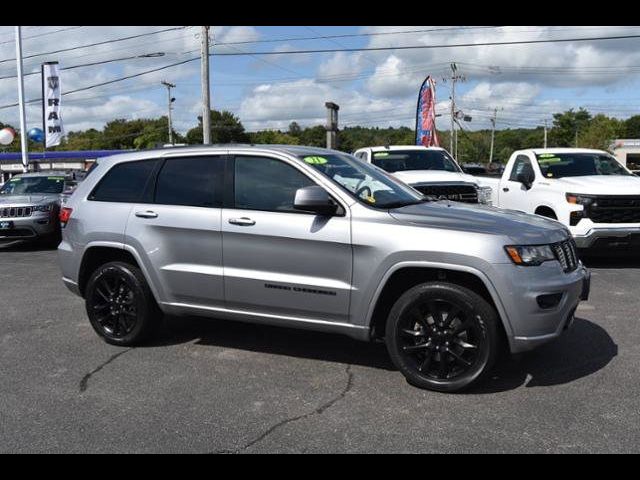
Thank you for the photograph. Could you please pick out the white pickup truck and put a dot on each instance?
(430, 170)
(589, 191)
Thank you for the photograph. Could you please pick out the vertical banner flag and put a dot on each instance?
(426, 115)
(51, 119)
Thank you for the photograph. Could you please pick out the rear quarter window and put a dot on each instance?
(124, 182)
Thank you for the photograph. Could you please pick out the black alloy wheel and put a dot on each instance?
(442, 336)
(120, 306)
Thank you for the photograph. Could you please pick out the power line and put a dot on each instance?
(418, 47)
(95, 44)
(43, 34)
(108, 82)
(352, 35)
(102, 62)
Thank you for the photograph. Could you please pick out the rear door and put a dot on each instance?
(177, 230)
(279, 260)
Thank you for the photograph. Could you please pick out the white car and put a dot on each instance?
(430, 170)
(589, 191)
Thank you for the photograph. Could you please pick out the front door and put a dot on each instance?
(278, 260)
(514, 194)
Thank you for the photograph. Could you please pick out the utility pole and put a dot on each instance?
(576, 138)
(332, 124)
(204, 77)
(454, 137)
(545, 133)
(171, 100)
(493, 132)
(23, 118)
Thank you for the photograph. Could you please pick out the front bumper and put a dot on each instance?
(609, 237)
(28, 228)
(528, 324)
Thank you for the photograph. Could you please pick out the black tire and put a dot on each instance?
(120, 305)
(437, 352)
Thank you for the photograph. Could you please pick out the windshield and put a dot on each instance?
(400, 160)
(368, 184)
(558, 165)
(30, 185)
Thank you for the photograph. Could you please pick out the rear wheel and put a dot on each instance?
(120, 305)
(442, 336)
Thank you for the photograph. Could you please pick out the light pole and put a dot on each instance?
(171, 100)
(204, 77)
(23, 119)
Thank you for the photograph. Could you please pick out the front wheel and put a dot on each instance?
(120, 305)
(442, 336)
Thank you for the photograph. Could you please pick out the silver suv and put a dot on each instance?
(312, 238)
(29, 206)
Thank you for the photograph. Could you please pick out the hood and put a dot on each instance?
(433, 176)
(520, 228)
(34, 199)
(602, 184)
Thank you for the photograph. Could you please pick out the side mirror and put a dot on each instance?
(315, 199)
(525, 179)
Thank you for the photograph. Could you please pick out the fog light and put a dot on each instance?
(575, 217)
(549, 301)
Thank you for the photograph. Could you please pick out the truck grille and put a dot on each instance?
(456, 193)
(615, 210)
(566, 254)
(15, 212)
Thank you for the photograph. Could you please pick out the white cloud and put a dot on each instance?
(276, 105)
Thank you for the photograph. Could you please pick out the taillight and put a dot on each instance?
(65, 215)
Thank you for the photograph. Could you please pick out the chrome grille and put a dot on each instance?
(15, 212)
(457, 193)
(566, 254)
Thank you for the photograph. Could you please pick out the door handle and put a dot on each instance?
(243, 222)
(505, 189)
(147, 214)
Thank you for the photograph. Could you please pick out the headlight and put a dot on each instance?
(42, 208)
(484, 195)
(530, 255)
(578, 199)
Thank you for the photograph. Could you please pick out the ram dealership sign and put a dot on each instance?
(51, 96)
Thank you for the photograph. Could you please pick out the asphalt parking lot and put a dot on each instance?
(215, 386)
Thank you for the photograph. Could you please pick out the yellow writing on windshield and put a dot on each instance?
(315, 160)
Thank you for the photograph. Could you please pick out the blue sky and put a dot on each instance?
(528, 83)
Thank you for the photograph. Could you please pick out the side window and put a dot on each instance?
(125, 182)
(267, 184)
(522, 164)
(191, 181)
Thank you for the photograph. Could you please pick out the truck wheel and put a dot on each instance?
(120, 305)
(442, 336)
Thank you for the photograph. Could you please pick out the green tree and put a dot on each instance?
(225, 128)
(600, 132)
(632, 127)
(566, 126)
(273, 137)
(294, 129)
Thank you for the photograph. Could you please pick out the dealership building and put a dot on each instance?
(627, 151)
(11, 162)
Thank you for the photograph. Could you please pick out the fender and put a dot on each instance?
(445, 266)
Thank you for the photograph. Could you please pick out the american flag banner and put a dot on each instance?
(426, 115)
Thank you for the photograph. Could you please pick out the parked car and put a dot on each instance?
(29, 206)
(313, 238)
(588, 191)
(474, 169)
(430, 170)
